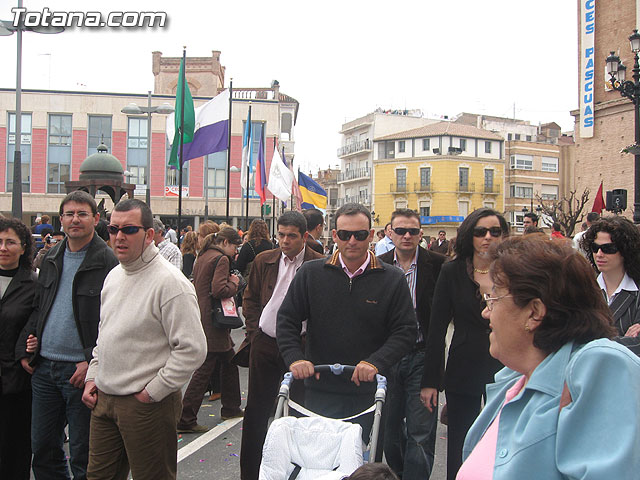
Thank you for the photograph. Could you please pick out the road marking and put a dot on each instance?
(205, 438)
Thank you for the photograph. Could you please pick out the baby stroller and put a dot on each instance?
(315, 447)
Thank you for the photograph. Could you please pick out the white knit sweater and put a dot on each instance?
(150, 335)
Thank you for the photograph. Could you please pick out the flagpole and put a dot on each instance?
(273, 212)
(184, 63)
(246, 192)
(229, 149)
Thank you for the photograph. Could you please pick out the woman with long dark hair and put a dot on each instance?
(17, 289)
(189, 249)
(613, 248)
(211, 278)
(458, 298)
(257, 242)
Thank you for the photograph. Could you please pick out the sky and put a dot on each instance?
(339, 59)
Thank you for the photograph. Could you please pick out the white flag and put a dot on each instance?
(280, 178)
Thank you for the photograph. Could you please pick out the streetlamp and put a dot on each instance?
(8, 28)
(134, 109)
(631, 90)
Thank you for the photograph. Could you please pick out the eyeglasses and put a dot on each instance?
(80, 215)
(607, 248)
(345, 235)
(128, 230)
(403, 231)
(9, 243)
(490, 300)
(482, 231)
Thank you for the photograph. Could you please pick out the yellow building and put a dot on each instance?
(443, 170)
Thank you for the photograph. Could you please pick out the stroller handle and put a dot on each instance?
(336, 369)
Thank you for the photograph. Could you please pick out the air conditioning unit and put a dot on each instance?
(436, 151)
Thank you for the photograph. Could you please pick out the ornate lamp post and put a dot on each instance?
(631, 90)
(134, 109)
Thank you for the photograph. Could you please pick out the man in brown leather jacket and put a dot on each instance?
(271, 275)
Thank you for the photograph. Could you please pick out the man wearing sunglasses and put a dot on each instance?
(410, 451)
(150, 342)
(358, 311)
(65, 324)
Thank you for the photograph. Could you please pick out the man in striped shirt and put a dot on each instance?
(167, 249)
(410, 435)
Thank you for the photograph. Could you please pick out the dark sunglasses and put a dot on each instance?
(608, 248)
(345, 235)
(482, 231)
(128, 230)
(403, 231)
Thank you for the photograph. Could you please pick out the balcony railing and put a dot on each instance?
(422, 187)
(361, 199)
(398, 188)
(491, 189)
(355, 174)
(466, 187)
(356, 147)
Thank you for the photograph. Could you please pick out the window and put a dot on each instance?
(400, 204)
(425, 178)
(333, 196)
(426, 144)
(401, 180)
(528, 138)
(137, 151)
(517, 136)
(549, 164)
(509, 136)
(216, 171)
(463, 179)
(521, 190)
(463, 208)
(286, 126)
(401, 146)
(425, 211)
(549, 192)
(517, 218)
(522, 162)
(99, 132)
(173, 174)
(25, 149)
(487, 147)
(386, 150)
(59, 167)
(463, 144)
(488, 180)
(489, 205)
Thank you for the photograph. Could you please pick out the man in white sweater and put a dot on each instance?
(149, 343)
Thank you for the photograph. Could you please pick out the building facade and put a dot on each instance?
(355, 182)
(443, 170)
(610, 117)
(61, 128)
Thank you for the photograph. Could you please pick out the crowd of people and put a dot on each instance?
(116, 342)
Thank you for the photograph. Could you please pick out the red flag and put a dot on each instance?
(598, 204)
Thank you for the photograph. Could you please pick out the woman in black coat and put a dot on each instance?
(17, 289)
(458, 298)
(257, 242)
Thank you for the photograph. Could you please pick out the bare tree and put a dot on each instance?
(567, 211)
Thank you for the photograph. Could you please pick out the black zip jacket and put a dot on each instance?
(87, 285)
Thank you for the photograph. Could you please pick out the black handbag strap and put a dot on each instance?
(296, 471)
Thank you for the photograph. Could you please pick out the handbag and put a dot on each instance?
(224, 312)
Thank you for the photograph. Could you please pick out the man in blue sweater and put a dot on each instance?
(64, 329)
(359, 312)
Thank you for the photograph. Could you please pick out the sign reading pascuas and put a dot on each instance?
(587, 54)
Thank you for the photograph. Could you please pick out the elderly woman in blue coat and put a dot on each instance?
(567, 403)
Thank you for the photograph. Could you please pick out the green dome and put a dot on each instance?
(101, 165)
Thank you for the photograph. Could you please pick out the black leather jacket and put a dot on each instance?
(87, 285)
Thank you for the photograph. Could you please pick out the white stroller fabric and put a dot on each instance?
(323, 448)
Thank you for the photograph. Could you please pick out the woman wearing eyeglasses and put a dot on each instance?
(567, 405)
(212, 278)
(458, 298)
(17, 289)
(613, 247)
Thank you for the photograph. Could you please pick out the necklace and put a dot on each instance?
(477, 270)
